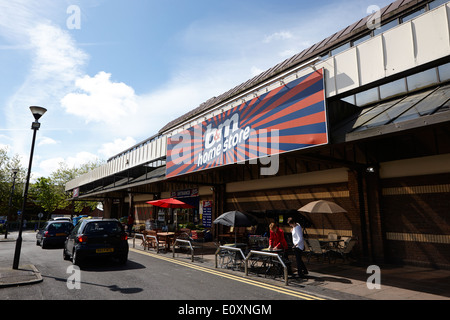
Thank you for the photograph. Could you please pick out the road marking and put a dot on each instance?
(232, 277)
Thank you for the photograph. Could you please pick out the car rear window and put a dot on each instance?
(59, 227)
(103, 227)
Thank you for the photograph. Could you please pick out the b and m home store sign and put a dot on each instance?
(288, 118)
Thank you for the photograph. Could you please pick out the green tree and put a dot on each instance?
(8, 163)
(47, 195)
(64, 174)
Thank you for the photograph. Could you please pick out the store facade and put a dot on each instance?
(360, 118)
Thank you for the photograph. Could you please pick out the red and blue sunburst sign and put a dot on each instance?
(288, 118)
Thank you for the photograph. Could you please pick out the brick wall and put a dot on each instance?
(286, 199)
(415, 215)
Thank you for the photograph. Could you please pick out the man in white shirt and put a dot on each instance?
(299, 246)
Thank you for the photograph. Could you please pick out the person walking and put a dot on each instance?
(299, 246)
(130, 223)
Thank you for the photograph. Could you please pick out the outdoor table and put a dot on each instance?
(231, 258)
(329, 243)
(267, 263)
(236, 245)
(166, 236)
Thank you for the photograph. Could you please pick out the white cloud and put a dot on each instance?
(48, 166)
(283, 35)
(46, 141)
(255, 71)
(55, 63)
(112, 148)
(102, 100)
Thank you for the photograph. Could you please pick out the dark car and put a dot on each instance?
(53, 233)
(96, 238)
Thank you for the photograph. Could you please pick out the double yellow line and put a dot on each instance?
(286, 291)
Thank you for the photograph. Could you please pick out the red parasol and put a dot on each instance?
(170, 203)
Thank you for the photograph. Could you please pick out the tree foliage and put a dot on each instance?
(8, 163)
(64, 174)
(47, 193)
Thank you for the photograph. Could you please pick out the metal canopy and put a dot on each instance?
(408, 112)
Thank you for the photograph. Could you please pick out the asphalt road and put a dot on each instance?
(144, 277)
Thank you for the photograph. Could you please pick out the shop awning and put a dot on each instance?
(404, 113)
(155, 175)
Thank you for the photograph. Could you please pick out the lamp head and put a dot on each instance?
(37, 112)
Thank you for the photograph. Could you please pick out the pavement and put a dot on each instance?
(26, 274)
(342, 279)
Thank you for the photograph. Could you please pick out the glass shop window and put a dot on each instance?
(385, 27)
(392, 88)
(422, 79)
(366, 97)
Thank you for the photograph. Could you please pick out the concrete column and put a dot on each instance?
(107, 207)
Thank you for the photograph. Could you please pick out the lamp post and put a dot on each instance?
(14, 172)
(37, 113)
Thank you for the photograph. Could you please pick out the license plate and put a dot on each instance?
(104, 250)
(61, 234)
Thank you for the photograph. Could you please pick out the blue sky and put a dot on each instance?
(130, 67)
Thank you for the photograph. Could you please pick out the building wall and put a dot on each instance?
(415, 213)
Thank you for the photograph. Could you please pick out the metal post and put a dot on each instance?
(25, 195)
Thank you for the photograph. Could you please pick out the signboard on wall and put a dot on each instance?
(207, 214)
(288, 118)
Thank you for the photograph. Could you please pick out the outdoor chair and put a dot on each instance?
(153, 241)
(197, 240)
(316, 250)
(346, 250)
(344, 241)
(332, 236)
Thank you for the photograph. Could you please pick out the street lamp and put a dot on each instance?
(14, 172)
(37, 112)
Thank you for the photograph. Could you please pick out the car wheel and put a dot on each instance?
(123, 259)
(65, 255)
(43, 245)
(38, 243)
(75, 258)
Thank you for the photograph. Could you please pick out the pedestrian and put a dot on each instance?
(276, 239)
(299, 246)
(130, 223)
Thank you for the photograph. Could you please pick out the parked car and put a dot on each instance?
(53, 233)
(62, 219)
(96, 238)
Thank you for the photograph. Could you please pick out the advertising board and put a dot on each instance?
(288, 118)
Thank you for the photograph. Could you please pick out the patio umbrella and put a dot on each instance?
(322, 206)
(236, 219)
(170, 203)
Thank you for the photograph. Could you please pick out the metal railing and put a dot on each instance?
(139, 235)
(226, 249)
(271, 255)
(144, 238)
(183, 241)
